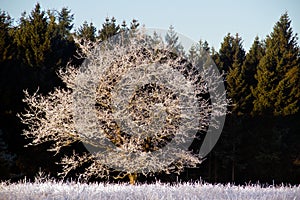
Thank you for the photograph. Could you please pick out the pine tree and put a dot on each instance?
(193, 54)
(109, 29)
(44, 39)
(236, 92)
(236, 84)
(7, 65)
(124, 26)
(87, 31)
(172, 41)
(156, 39)
(248, 72)
(62, 44)
(5, 44)
(224, 59)
(204, 53)
(204, 45)
(65, 19)
(42, 44)
(200, 54)
(31, 38)
(278, 81)
(214, 55)
(134, 25)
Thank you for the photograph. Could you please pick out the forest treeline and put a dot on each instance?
(261, 137)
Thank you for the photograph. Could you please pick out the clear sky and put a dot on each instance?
(207, 20)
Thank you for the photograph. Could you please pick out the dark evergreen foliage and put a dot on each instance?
(278, 82)
(87, 31)
(260, 141)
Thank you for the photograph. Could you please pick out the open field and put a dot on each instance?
(74, 190)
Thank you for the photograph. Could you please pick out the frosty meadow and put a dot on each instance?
(47, 190)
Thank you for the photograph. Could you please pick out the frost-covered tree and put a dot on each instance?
(172, 41)
(200, 54)
(134, 106)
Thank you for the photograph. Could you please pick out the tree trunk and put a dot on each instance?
(233, 165)
(232, 172)
(132, 178)
(209, 168)
(215, 165)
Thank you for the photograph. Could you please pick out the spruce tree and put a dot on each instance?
(156, 39)
(192, 54)
(6, 57)
(278, 85)
(172, 41)
(87, 31)
(134, 24)
(43, 45)
(44, 39)
(62, 44)
(31, 38)
(236, 85)
(248, 72)
(224, 59)
(109, 29)
(198, 54)
(124, 26)
(236, 92)
(204, 51)
(5, 41)
(65, 19)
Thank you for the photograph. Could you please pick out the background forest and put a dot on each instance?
(261, 137)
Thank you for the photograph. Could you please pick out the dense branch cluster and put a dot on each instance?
(135, 104)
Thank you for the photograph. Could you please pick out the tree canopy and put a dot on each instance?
(261, 131)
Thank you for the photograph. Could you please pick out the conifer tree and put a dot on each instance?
(236, 84)
(248, 72)
(5, 44)
(204, 51)
(134, 24)
(87, 31)
(62, 44)
(278, 85)
(109, 29)
(124, 26)
(172, 41)
(224, 59)
(31, 38)
(200, 54)
(44, 40)
(6, 62)
(156, 39)
(236, 92)
(192, 54)
(65, 19)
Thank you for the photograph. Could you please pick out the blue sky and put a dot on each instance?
(207, 20)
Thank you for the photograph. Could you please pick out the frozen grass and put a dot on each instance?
(75, 190)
